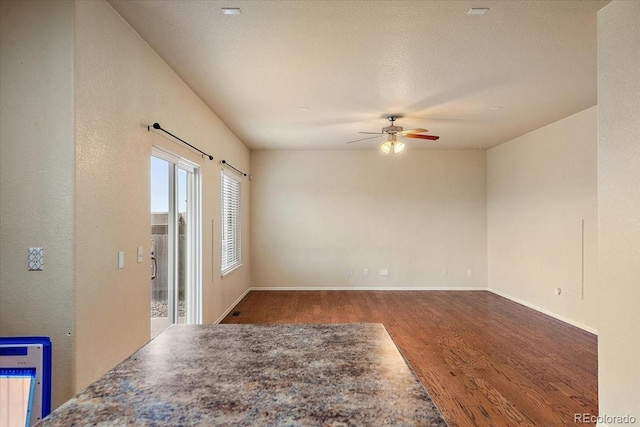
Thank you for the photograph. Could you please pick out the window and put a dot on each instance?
(230, 206)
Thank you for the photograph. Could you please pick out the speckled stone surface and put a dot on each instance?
(253, 375)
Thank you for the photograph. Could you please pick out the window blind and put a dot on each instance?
(230, 206)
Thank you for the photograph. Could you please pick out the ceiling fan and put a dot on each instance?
(392, 145)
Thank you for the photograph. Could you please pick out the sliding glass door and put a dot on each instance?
(175, 242)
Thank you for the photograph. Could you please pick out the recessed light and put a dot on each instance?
(478, 11)
(231, 10)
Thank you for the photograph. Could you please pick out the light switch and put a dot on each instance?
(36, 259)
(139, 254)
(121, 259)
(384, 272)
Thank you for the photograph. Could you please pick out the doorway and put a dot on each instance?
(175, 242)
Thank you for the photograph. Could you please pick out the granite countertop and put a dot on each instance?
(252, 375)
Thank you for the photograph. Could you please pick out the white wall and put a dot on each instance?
(619, 208)
(316, 214)
(37, 176)
(539, 188)
(121, 86)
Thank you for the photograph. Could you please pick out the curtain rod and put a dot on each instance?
(157, 126)
(224, 162)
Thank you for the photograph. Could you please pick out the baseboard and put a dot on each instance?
(228, 310)
(547, 312)
(367, 288)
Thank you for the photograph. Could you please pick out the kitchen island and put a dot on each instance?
(253, 375)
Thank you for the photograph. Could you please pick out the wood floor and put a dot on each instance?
(485, 360)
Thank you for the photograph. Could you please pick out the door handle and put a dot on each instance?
(155, 267)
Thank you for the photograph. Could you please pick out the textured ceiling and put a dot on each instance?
(351, 62)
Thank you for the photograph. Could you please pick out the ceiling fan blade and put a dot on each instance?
(364, 139)
(430, 137)
(372, 133)
(419, 130)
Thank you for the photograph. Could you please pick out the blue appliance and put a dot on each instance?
(25, 373)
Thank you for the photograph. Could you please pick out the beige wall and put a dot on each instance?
(619, 208)
(539, 188)
(316, 214)
(37, 175)
(79, 87)
(121, 86)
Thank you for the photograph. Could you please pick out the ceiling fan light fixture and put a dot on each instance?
(391, 145)
(386, 147)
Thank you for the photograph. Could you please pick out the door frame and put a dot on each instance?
(193, 264)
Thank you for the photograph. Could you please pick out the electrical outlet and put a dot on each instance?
(139, 254)
(121, 259)
(384, 272)
(365, 272)
(469, 272)
(444, 272)
(350, 272)
(36, 259)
